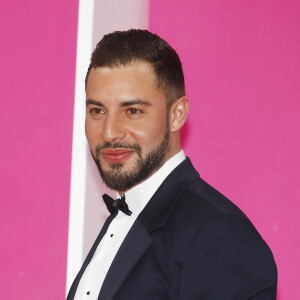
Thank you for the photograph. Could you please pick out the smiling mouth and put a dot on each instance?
(116, 155)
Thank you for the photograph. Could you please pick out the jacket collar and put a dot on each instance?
(138, 240)
(156, 212)
(154, 216)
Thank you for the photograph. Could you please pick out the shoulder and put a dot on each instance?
(218, 251)
(207, 221)
(201, 204)
(220, 242)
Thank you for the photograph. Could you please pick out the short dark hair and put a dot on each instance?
(121, 48)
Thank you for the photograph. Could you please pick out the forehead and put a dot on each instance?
(136, 78)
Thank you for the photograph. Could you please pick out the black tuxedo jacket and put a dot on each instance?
(189, 242)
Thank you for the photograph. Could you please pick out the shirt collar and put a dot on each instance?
(138, 196)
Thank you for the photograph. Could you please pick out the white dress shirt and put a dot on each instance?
(91, 281)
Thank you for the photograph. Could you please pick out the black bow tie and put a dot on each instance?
(114, 205)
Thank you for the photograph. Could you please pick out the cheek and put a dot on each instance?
(91, 132)
(148, 134)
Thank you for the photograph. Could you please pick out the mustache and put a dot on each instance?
(107, 145)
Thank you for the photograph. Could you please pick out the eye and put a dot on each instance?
(96, 111)
(134, 111)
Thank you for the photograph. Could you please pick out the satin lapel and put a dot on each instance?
(134, 246)
(74, 286)
(138, 238)
(167, 195)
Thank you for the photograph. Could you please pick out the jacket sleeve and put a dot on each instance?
(228, 259)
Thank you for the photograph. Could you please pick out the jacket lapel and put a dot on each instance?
(165, 198)
(74, 286)
(134, 246)
(138, 239)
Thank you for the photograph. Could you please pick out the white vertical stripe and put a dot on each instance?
(86, 215)
(115, 15)
(109, 16)
(79, 147)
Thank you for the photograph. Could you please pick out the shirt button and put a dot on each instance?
(87, 293)
(111, 235)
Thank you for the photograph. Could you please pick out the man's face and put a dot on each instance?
(126, 124)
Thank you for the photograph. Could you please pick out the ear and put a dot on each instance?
(178, 113)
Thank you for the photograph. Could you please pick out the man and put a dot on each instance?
(170, 235)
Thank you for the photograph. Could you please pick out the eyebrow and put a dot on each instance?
(123, 104)
(134, 102)
(93, 102)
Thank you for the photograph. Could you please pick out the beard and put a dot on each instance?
(117, 179)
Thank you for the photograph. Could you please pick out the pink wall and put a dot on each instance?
(37, 71)
(242, 66)
(242, 62)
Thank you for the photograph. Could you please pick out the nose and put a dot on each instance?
(113, 129)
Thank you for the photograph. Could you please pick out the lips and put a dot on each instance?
(116, 155)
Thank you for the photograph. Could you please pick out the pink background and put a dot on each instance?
(242, 66)
(37, 65)
(242, 62)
